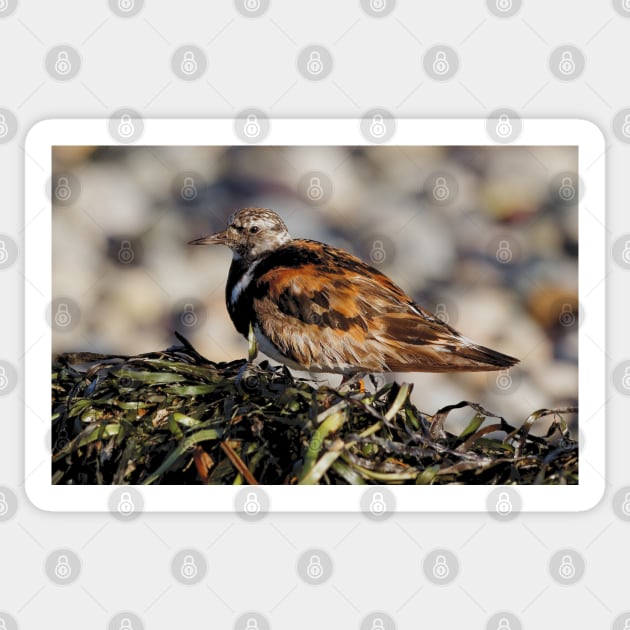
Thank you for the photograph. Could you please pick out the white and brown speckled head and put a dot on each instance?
(250, 234)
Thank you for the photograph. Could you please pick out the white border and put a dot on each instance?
(46, 134)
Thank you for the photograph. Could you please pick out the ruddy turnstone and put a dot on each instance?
(317, 308)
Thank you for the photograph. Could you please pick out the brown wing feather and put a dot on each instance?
(334, 313)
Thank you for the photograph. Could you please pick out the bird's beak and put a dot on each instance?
(220, 238)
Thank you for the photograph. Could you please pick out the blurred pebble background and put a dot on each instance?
(485, 237)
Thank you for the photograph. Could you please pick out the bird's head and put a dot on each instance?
(251, 233)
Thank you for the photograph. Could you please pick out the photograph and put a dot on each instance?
(298, 315)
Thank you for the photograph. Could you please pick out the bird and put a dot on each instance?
(318, 308)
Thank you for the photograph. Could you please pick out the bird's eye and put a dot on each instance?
(253, 229)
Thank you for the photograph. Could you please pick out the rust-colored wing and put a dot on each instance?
(327, 310)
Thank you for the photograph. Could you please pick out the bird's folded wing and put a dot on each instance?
(348, 316)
